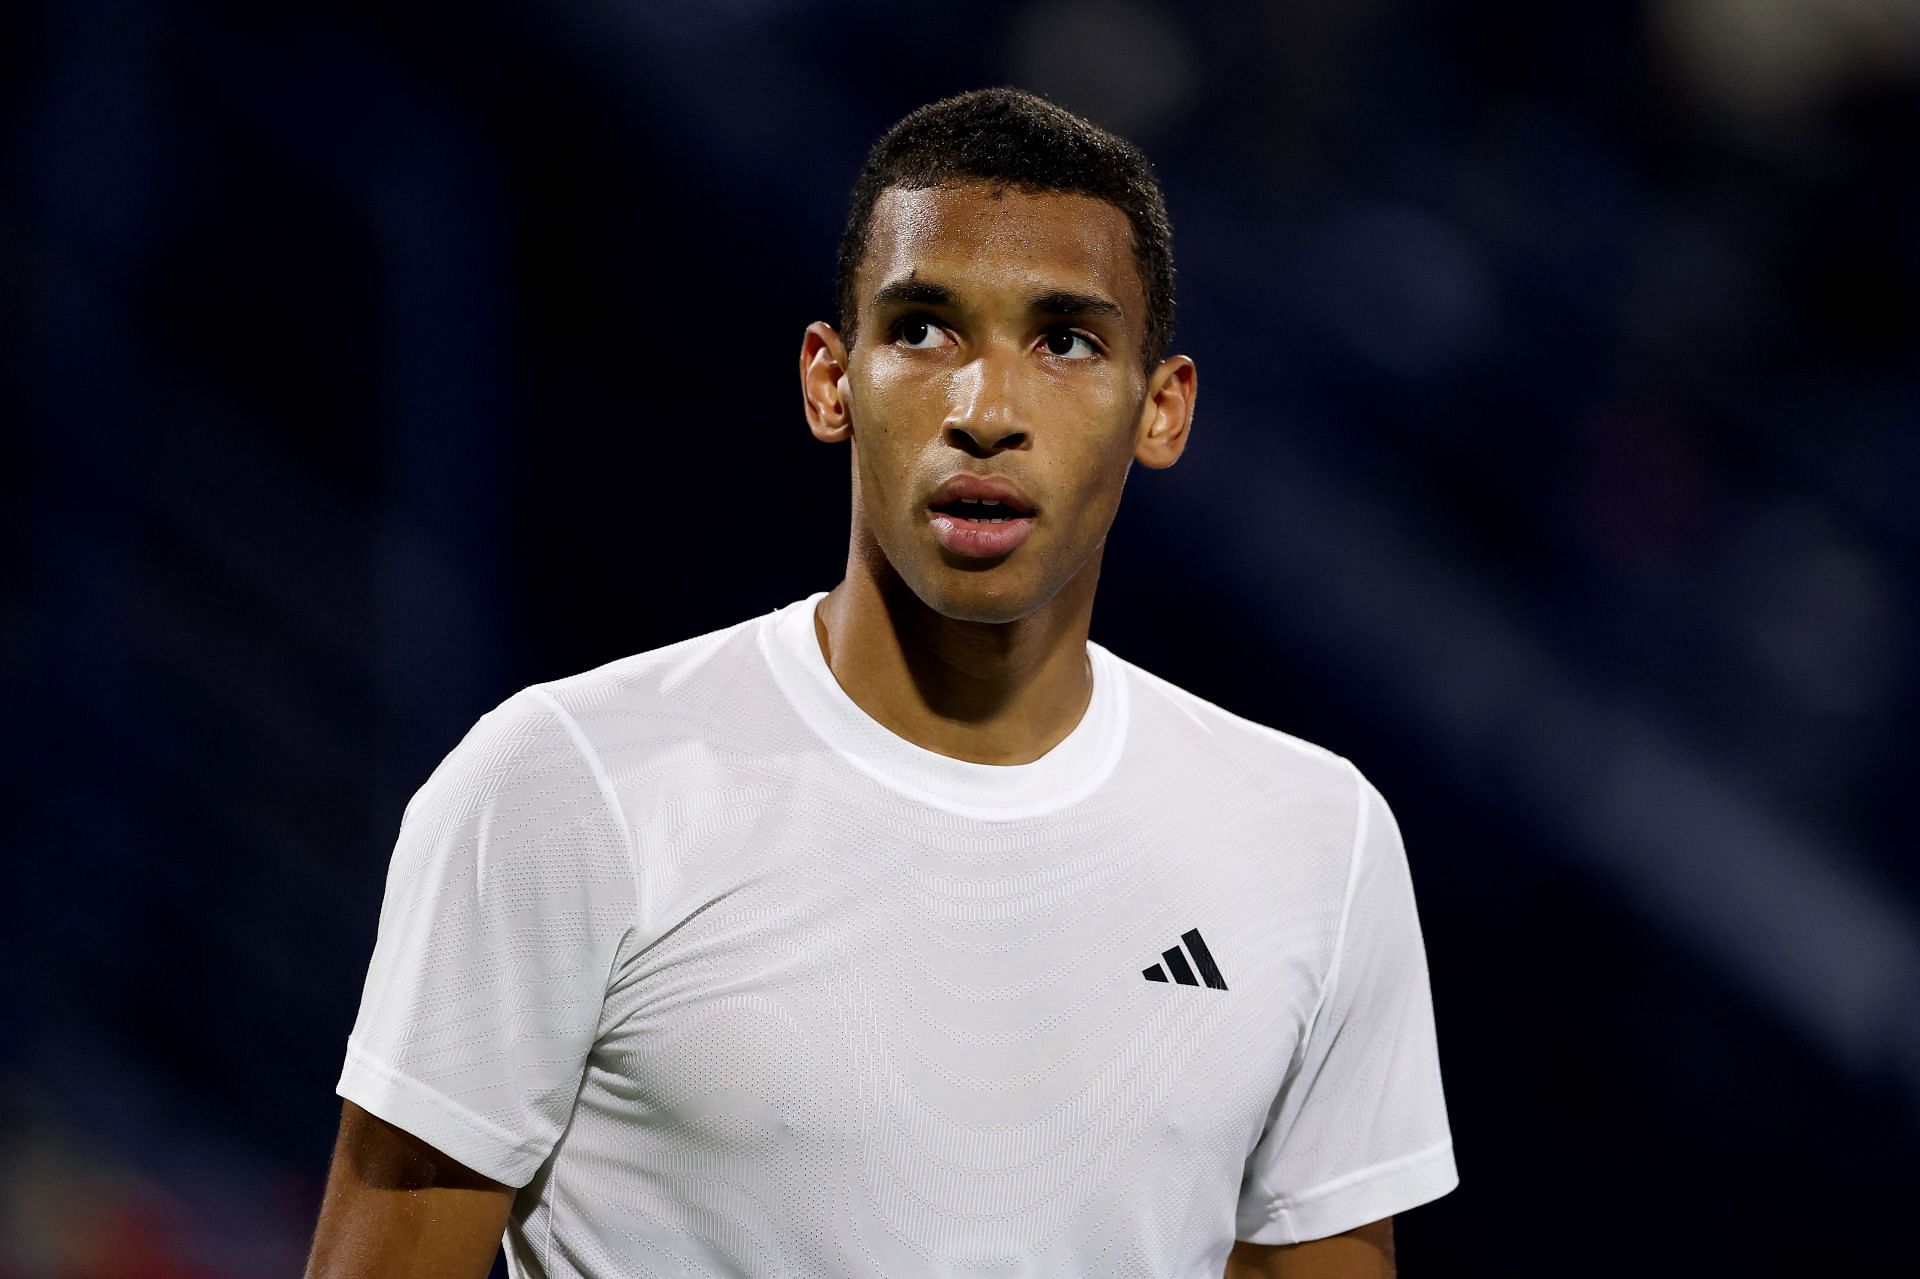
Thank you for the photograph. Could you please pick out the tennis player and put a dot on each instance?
(904, 930)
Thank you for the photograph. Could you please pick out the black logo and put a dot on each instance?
(1182, 972)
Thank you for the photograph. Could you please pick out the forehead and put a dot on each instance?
(974, 233)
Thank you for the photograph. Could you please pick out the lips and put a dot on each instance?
(980, 516)
(981, 538)
(973, 508)
(958, 492)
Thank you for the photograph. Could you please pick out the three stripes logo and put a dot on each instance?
(1181, 970)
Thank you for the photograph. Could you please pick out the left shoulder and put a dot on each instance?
(1275, 760)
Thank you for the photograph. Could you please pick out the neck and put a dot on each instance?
(984, 692)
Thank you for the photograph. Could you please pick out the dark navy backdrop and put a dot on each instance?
(1555, 462)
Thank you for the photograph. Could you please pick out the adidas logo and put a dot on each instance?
(1182, 971)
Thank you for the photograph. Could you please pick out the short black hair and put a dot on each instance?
(1016, 139)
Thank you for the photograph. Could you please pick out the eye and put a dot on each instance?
(1070, 344)
(918, 333)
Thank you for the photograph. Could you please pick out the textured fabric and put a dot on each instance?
(731, 980)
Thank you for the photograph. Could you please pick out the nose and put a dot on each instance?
(985, 413)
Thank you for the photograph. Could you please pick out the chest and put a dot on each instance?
(972, 1008)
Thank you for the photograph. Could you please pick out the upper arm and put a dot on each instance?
(1365, 1252)
(510, 892)
(395, 1206)
(1358, 1127)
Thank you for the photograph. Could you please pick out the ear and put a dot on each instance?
(1167, 413)
(823, 383)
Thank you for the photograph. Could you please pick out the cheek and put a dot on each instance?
(1098, 399)
(1100, 418)
(887, 441)
(1112, 459)
(903, 405)
(891, 408)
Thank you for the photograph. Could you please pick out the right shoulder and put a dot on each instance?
(564, 726)
(641, 738)
(674, 690)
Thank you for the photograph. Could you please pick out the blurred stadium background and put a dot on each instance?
(1556, 463)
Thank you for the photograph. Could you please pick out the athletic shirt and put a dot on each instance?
(729, 979)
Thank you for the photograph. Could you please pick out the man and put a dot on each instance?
(903, 930)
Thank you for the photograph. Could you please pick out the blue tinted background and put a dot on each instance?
(1555, 462)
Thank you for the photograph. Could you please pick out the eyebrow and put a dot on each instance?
(914, 293)
(1065, 304)
(1060, 302)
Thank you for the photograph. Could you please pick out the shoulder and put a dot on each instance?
(1178, 719)
(675, 686)
(1317, 805)
(560, 728)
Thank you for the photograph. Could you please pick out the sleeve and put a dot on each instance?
(511, 890)
(1358, 1130)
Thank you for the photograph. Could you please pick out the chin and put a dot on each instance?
(979, 592)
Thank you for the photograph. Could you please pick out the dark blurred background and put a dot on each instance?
(1555, 463)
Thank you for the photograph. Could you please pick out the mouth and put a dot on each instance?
(979, 511)
(979, 529)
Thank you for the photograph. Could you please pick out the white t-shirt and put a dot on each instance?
(731, 980)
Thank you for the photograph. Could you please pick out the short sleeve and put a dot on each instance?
(508, 897)
(1359, 1129)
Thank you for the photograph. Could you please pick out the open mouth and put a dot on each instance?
(974, 509)
(980, 528)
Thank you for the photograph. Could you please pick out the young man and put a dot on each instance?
(903, 930)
